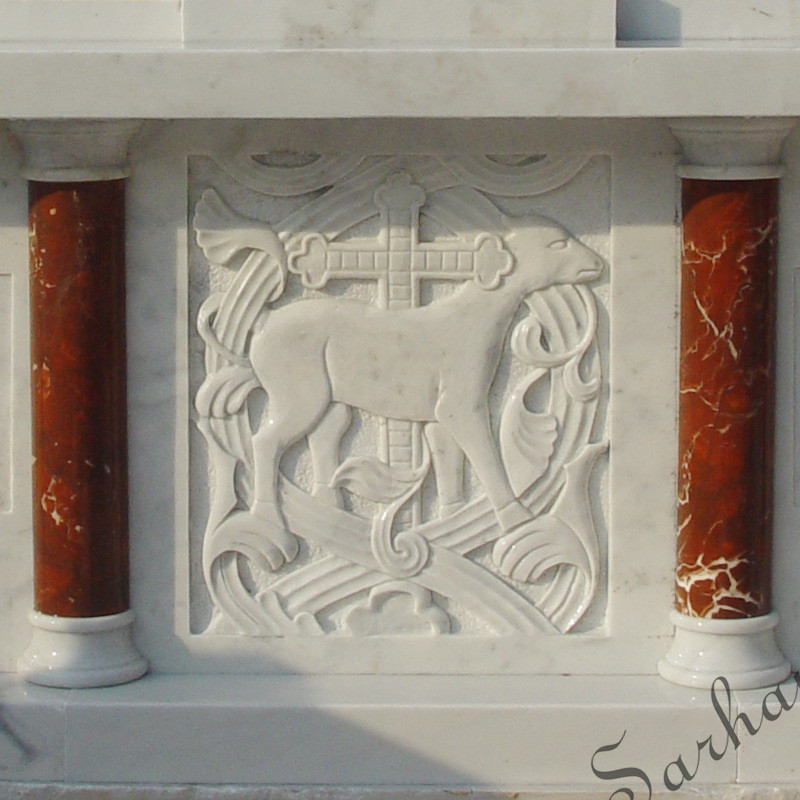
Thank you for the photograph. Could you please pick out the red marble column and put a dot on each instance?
(724, 622)
(81, 623)
(80, 498)
(726, 397)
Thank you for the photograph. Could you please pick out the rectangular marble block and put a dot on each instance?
(620, 203)
(709, 21)
(82, 21)
(511, 734)
(413, 23)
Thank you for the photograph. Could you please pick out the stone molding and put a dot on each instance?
(75, 150)
(753, 144)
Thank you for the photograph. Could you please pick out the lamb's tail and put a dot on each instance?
(205, 318)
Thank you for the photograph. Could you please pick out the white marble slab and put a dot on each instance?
(620, 636)
(509, 734)
(157, 81)
(6, 346)
(769, 746)
(91, 21)
(384, 23)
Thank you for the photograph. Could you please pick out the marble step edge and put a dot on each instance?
(501, 734)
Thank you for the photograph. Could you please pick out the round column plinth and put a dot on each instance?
(79, 653)
(743, 651)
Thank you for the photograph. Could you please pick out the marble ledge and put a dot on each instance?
(518, 734)
(158, 81)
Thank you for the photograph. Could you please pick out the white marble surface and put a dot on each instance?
(91, 21)
(6, 427)
(770, 755)
(33, 791)
(450, 303)
(127, 59)
(414, 23)
(385, 24)
(641, 374)
(369, 731)
(15, 448)
(720, 22)
(160, 81)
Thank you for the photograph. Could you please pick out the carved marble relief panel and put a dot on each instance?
(398, 374)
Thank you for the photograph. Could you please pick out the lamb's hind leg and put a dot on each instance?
(323, 445)
(294, 408)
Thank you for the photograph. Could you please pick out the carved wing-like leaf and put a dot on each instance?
(374, 480)
(528, 552)
(225, 322)
(527, 439)
(222, 232)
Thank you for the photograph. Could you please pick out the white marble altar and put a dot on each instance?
(352, 629)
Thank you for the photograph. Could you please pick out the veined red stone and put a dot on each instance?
(80, 492)
(726, 397)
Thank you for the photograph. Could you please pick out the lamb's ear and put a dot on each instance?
(492, 260)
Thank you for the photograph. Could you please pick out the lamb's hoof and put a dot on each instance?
(327, 494)
(275, 545)
(529, 551)
(281, 547)
(269, 546)
(448, 509)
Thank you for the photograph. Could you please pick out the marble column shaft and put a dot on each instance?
(80, 502)
(726, 397)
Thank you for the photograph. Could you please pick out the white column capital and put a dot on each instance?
(731, 147)
(75, 150)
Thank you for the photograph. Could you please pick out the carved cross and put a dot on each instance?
(397, 258)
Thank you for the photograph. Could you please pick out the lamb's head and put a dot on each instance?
(546, 254)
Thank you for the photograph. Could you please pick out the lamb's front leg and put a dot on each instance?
(448, 468)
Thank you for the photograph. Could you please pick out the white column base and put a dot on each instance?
(743, 651)
(78, 653)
